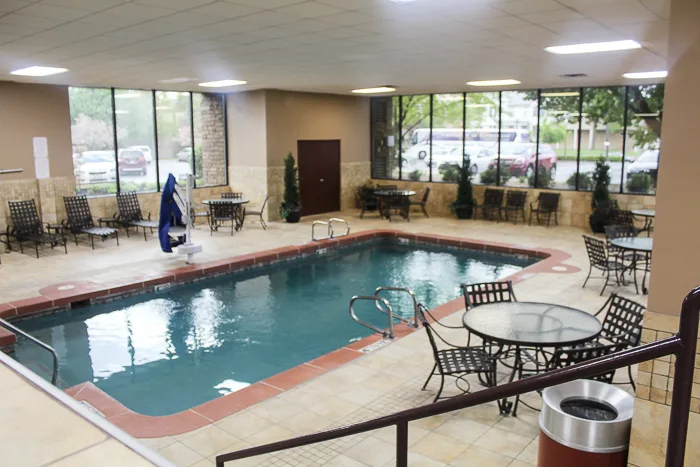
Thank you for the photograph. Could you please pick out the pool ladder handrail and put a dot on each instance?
(389, 332)
(415, 323)
(54, 356)
(331, 232)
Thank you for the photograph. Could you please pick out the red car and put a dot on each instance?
(132, 161)
(519, 158)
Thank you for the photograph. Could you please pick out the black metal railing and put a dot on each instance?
(682, 345)
(48, 348)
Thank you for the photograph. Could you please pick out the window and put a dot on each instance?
(559, 139)
(481, 135)
(415, 138)
(385, 137)
(643, 138)
(92, 134)
(209, 139)
(448, 137)
(174, 135)
(135, 140)
(518, 153)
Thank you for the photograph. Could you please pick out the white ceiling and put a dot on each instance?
(328, 45)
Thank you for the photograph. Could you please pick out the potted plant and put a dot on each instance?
(463, 206)
(290, 208)
(601, 203)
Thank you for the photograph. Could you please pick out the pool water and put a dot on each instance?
(164, 352)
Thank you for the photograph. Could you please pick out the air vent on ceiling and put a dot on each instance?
(574, 75)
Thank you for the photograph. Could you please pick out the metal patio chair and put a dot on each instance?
(600, 259)
(231, 195)
(369, 202)
(515, 203)
(130, 214)
(622, 217)
(219, 213)
(493, 201)
(27, 227)
(565, 357)
(258, 212)
(423, 202)
(483, 293)
(80, 221)
(546, 205)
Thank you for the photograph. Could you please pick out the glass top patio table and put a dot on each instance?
(395, 193)
(643, 244)
(226, 201)
(644, 212)
(531, 324)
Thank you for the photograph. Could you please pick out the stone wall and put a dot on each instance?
(213, 134)
(574, 206)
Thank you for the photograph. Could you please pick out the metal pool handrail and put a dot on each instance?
(384, 332)
(682, 345)
(54, 356)
(331, 233)
(401, 289)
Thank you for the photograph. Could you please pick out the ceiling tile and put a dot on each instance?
(308, 25)
(521, 7)
(349, 18)
(54, 12)
(173, 4)
(621, 12)
(139, 12)
(350, 5)
(661, 8)
(269, 18)
(224, 10)
(33, 23)
(92, 5)
(12, 5)
(310, 10)
(190, 20)
(553, 16)
(266, 4)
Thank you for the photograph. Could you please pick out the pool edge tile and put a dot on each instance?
(222, 407)
(294, 376)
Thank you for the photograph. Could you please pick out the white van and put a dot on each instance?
(422, 135)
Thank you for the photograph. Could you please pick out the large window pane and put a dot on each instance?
(385, 137)
(558, 145)
(174, 135)
(643, 138)
(518, 140)
(209, 139)
(92, 133)
(415, 133)
(481, 135)
(448, 136)
(135, 140)
(601, 132)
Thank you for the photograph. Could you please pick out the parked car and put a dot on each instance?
(480, 157)
(420, 153)
(647, 162)
(145, 150)
(132, 161)
(519, 159)
(96, 167)
(185, 154)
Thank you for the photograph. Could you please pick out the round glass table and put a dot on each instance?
(642, 247)
(394, 200)
(648, 215)
(226, 209)
(521, 331)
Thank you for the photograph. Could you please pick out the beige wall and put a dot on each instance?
(29, 110)
(247, 143)
(676, 254)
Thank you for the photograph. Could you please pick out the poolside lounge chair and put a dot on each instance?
(546, 205)
(27, 227)
(493, 202)
(515, 203)
(130, 213)
(257, 212)
(80, 220)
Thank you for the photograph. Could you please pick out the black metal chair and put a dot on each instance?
(80, 220)
(565, 357)
(493, 201)
(231, 195)
(220, 213)
(27, 227)
(130, 214)
(622, 217)
(387, 188)
(369, 202)
(258, 212)
(515, 203)
(423, 202)
(600, 259)
(621, 231)
(546, 205)
(457, 361)
(486, 292)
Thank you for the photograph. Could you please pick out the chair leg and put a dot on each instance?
(530, 221)
(425, 211)
(262, 222)
(442, 384)
(65, 246)
(629, 372)
(92, 241)
(144, 235)
(75, 236)
(607, 278)
(36, 247)
(116, 234)
(432, 372)
(590, 270)
(126, 227)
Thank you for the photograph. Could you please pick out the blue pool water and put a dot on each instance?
(164, 352)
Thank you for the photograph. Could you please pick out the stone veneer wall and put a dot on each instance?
(653, 400)
(213, 134)
(574, 206)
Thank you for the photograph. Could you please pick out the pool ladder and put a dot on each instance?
(384, 306)
(48, 348)
(331, 232)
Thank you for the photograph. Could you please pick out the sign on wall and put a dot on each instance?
(41, 157)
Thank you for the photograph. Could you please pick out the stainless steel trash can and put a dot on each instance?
(585, 423)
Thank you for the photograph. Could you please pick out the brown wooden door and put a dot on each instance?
(319, 176)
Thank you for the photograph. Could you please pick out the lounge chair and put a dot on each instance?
(80, 221)
(547, 204)
(130, 214)
(515, 203)
(27, 227)
(493, 202)
(257, 212)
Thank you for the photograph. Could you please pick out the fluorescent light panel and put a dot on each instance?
(594, 47)
(494, 82)
(646, 75)
(38, 71)
(560, 94)
(222, 83)
(377, 90)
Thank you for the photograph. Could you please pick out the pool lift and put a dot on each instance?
(176, 223)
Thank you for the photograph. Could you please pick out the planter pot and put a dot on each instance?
(598, 220)
(463, 212)
(293, 217)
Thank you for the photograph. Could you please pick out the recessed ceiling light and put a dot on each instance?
(377, 90)
(494, 82)
(594, 47)
(560, 94)
(646, 75)
(222, 83)
(38, 71)
(402, 1)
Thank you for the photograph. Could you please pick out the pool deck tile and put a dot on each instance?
(221, 407)
(294, 376)
(144, 426)
(335, 359)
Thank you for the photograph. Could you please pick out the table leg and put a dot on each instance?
(505, 406)
(646, 269)
(634, 271)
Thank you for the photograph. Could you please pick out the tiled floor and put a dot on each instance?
(381, 382)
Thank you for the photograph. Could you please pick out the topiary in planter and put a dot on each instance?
(290, 207)
(463, 206)
(601, 197)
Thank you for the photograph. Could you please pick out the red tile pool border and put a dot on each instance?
(143, 426)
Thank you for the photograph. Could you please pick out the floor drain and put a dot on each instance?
(66, 287)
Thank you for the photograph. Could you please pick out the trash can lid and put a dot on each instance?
(587, 416)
